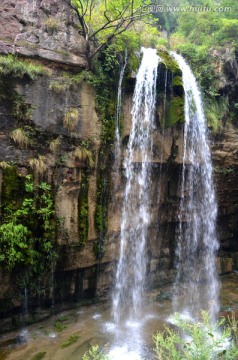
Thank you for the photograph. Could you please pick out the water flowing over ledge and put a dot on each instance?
(131, 268)
(135, 214)
(196, 286)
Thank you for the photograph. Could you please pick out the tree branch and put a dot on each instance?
(117, 19)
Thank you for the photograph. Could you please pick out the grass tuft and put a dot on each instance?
(58, 86)
(4, 165)
(83, 154)
(51, 25)
(54, 145)
(20, 137)
(71, 119)
(38, 164)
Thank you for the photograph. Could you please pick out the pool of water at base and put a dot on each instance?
(91, 325)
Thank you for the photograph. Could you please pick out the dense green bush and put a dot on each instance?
(27, 232)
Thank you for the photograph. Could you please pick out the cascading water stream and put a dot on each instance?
(117, 140)
(25, 302)
(131, 269)
(118, 113)
(196, 286)
(163, 119)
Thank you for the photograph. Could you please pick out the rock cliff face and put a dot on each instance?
(225, 152)
(41, 28)
(46, 31)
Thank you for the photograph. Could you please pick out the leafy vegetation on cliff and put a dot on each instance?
(28, 227)
(16, 67)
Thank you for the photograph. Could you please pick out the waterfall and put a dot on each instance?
(164, 115)
(25, 303)
(117, 142)
(196, 286)
(131, 268)
(118, 113)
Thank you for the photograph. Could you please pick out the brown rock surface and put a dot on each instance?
(41, 28)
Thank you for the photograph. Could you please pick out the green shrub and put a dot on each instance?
(198, 341)
(95, 353)
(14, 246)
(27, 232)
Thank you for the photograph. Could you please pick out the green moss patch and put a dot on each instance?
(175, 111)
(13, 187)
(170, 108)
(39, 355)
(177, 86)
(83, 208)
(177, 81)
(71, 340)
(170, 63)
(11, 65)
(61, 323)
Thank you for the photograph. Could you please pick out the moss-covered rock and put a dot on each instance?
(134, 62)
(83, 209)
(177, 81)
(101, 213)
(177, 86)
(170, 104)
(175, 111)
(170, 63)
(13, 187)
(39, 355)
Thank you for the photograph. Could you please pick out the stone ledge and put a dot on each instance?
(68, 59)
